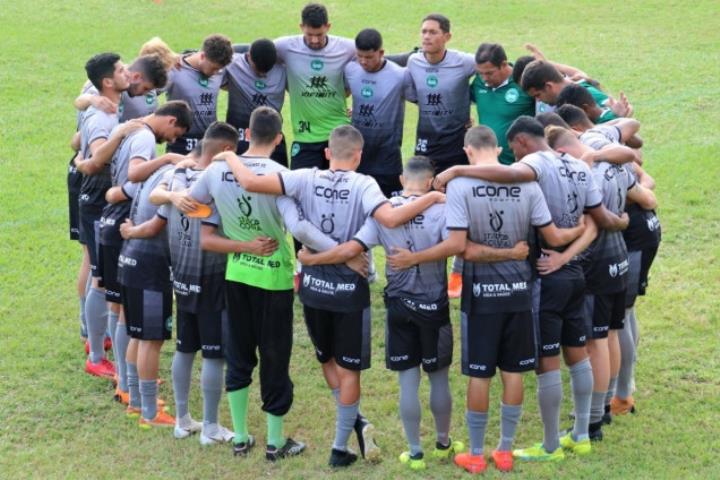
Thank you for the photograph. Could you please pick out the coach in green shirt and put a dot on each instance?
(498, 98)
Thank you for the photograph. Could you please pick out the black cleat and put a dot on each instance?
(607, 416)
(341, 458)
(290, 449)
(243, 448)
(364, 431)
(595, 431)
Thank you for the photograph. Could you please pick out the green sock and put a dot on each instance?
(275, 435)
(238, 411)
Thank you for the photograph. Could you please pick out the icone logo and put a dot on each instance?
(331, 193)
(493, 191)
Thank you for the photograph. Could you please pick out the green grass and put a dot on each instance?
(58, 422)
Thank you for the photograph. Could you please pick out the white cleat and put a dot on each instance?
(186, 426)
(215, 433)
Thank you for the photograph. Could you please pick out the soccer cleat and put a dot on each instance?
(290, 449)
(186, 426)
(107, 344)
(578, 447)
(162, 419)
(455, 285)
(619, 406)
(503, 460)
(415, 462)
(104, 368)
(341, 458)
(243, 448)
(215, 434)
(121, 397)
(446, 452)
(133, 412)
(537, 453)
(364, 431)
(471, 463)
(595, 431)
(607, 416)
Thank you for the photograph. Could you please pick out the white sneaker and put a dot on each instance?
(186, 426)
(215, 433)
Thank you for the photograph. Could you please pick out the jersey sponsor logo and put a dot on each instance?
(512, 95)
(431, 81)
(203, 81)
(492, 191)
(429, 361)
(327, 224)
(399, 358)
(347, 359)
(331, 193)
(184, 289)
(260, 85)
(495, 290)
(574, 176)
(653, 223)
(475, 366)
(366, 92)
(317, 64)
(366, 112)
(496, 220)
(572, 203)
(527, 361)
(259, 99)
(123, 260)
(206, 99)
(244, 205)
(326, 287)
(418, 220)
(618, 269)
(318, 88)
(551, 346)
(246, 221)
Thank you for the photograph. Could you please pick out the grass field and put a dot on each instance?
(55, 421)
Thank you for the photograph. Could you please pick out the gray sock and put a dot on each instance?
(83, 323)
(631, 320)
(441, 404)
(336, 394)
(582, 385)
(133, 385)
(181, 377)
(344, 422)
(96, 317)
(148, 394)
(549, 392)
(597, 406)
(457, 266)
(627, 361)
(509, 419)
(211, 380)
(410, 407)
(112, 325)
(120, 345)
(476, 423)
(611, 389)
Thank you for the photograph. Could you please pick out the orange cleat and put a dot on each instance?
(133, 412)
(471, 463)
(162, 419)
(503, 460)
(121, 397)
(619, 406)
(455, 285)
(103, 369)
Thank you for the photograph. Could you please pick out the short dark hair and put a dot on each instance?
(221, 132)
(519, 67)
(265, 124)
(442, 20)
(537, 73)
(479, 137)
(551, 118)
(419, 166)
(314, 15)
(572, 115)
(344, 141)
(490, 52)
(152, 69)
(368, 39)
(527, 125)
(263, 54)
(218, 49)
(575, 94)
(178, 109)
(100, 67)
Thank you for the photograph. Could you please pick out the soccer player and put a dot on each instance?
(314, 62)
(619, 131)
(258, 290)
(498, 98)
(336, 300)
(605, 269)
(497, 324)
(109, 76)
(254, 79)
(438, 83)
(580, 96)
(378, 110)
(197, 80)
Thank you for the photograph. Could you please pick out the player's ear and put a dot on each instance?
(467, 151)
(278, 139)
(498, 150)
(247, 134)
(327, 153)
(402, 180)
(328, 25)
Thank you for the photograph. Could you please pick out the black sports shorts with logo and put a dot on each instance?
(344, 336)
(148, 313)
(200, 331)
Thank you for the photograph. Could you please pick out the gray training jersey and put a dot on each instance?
(130, 107)
(200, 92)
(247, 90)
(138, 144)
(95, 125)
(607, 265)
(442, 92)
(600, 136)
(497, 215)
(144, 263)
(337, 202)
(378, 111)
(426, 283)
(198, 275)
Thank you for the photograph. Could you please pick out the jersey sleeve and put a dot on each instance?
(593, 195)
(300, 228)
(468, 64)
(372, 197)
(368, 235)
(142, 146)
(409, 90)
(214, 217)
(101, 126)
(456, 213)
(537, 164)
(200, 191)
(281, 47)
(539, 211)
(294, 181)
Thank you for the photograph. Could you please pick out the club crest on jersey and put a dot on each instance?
(203, 81)
(512, 95)
(295, 149)
(366, 92)
(260, 85)
(149, 99)
(317, 64)
(431, 81)
(496, 220)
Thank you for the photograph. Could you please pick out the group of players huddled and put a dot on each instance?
(549, 217)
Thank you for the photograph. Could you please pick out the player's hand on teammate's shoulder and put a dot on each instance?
(103, 103)
(175, 158)
(438, 197)
(130, 126)
(186, 163)
(359, 264)
(224, 156)
(443, 178)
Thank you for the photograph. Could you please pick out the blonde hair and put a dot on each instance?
(559, 136)
(156, 46)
